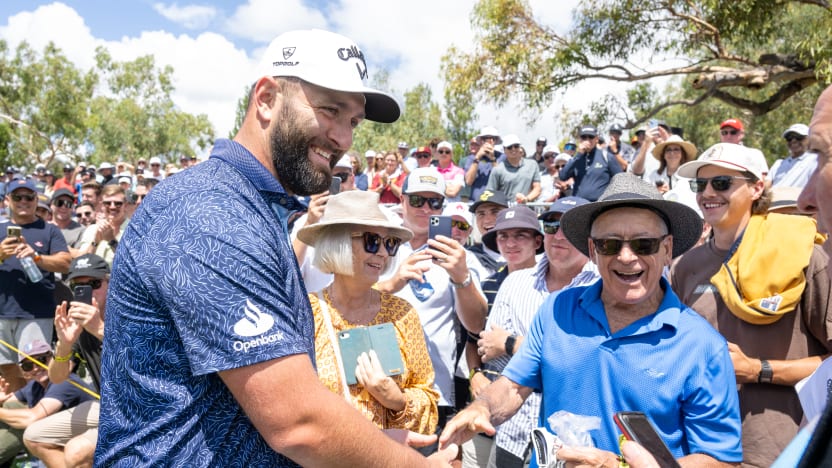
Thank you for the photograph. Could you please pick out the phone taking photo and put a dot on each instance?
(439, 226)
(14, 232)
(335, 185)
(637, 427)
(82, 293)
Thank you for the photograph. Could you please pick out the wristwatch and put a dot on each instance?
(765, 372)
(464, 283)
(510, 342)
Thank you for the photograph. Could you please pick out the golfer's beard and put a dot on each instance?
(290, 156)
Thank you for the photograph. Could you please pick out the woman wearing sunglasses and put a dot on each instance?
(355, 241)
(387, 182)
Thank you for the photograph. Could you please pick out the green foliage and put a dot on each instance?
(117, 111)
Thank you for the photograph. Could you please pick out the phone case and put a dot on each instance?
(82, 293)
(381, 338)
(13, 231)
(439, 225)
(335, 185)
(637, 427)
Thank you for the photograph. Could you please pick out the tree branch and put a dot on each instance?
(760, 108)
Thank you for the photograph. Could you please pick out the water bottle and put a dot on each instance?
(32, 271)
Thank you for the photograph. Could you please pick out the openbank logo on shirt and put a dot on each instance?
(255, 324)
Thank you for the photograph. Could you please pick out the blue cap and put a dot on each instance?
(21, 183)
(561, 206)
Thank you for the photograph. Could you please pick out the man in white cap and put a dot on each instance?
(209, 340)
(478, 166)
(795, 169)
(156, 169)
(517, 177)
(769, 302)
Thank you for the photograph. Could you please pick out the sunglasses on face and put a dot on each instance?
(418, 201)
(551, 227)
(342, 175)
(728, 132)
(94, 284)
(719, 183)
(560, 166)
(373, 242)
(548, 157)
(85, 214)
(422, 155)
(640, 246)
(461, 225)
(673, 150)
(791, 138)
(64, 203)
(114, 203)
(569, 147)
(23, 196)
(512, 147)
(28, 366)
(444, 151)
(586, 137)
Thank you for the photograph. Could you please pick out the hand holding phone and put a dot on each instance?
(82, 293)
(637, 427)
(439, 225)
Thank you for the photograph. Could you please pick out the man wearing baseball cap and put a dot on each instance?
(731, 131)
(209, 310)
(486, 207)
(590, 169)
(795, 169)
(27, 307)
(762, 281)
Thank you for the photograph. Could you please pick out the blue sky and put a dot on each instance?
(214, 45)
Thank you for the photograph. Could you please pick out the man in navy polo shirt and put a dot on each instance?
(624, 343)
(209, 342)
(591, 169)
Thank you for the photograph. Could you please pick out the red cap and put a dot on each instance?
(421, 150)
(733, 123)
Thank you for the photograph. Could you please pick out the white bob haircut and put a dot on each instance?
(333, 250)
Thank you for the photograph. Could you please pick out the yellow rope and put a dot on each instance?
(76, 384)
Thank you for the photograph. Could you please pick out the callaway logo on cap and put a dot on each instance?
(328, 60)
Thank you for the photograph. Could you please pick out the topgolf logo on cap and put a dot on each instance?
(288, 52)
(427, 179)
(346, 53)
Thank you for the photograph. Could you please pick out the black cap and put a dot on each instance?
(61, 193)
(497, 198)
(542, 140)
(88, 265)
(68, 168)
(616, 128)
(588, 130)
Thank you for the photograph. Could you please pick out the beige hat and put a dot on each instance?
(355, 207)
(687, 147)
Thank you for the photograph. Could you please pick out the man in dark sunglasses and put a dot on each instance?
(438, 278)
(795, 169)
(731, 131)
(762, 281)
(26, 307)
(63, 207)
(37, 401)
(590, 169)
(110, 224)
(517, 177)
(594, 337)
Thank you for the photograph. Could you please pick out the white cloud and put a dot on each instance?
(263, 20)
(189, 16)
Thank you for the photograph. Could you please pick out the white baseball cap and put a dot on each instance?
(370, 154)
(729, 156)
(459, 209)
(344, 162)
(328, 60)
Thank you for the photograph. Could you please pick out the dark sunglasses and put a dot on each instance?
(140, 197)
(24, 196)
(64, 203)
(551, 227)
(512, 147)
(94, 284)
(791, 138)
(729, 132)
(640, 246)
(444, 151)
(461, 225)
(28, 366)
(569, 147)
(114, 203)
(422, 155)
(719, 183)
(418, 201)
(587, 137)
(373, 241)
(85, 214)
(342, 175)
(560, 166)
(548, 157)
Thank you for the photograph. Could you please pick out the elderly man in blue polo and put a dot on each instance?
(624, 343)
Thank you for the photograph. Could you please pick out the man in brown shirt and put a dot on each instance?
(774, 341)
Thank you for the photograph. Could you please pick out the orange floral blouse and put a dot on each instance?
(420, 413)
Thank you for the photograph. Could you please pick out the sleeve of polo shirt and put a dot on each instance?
(566, 172)
(711, 411)
(222, 266)
(526, 365)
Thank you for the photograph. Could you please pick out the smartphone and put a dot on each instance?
(82, 293)
(653, 123)
(637, 427)
(439, 225)
(380, 338)
(335, 185)
(14, 232)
